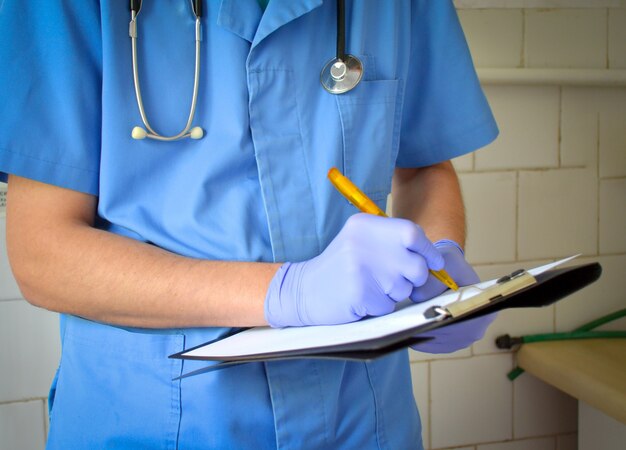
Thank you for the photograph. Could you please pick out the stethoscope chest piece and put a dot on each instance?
(341, 75)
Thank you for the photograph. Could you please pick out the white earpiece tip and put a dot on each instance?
(196, 133)
(139, 133)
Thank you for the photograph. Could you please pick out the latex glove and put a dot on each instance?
(459, 335)
(371, 264)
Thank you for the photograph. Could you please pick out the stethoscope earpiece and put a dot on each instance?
(139, 133)
(196, 133)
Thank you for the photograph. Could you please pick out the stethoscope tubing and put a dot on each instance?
(341, 74)
(152, 134)
(341, 30)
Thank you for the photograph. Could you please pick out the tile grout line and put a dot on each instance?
(523, 49)
(23, 400)
(45, 422)
(560, 130)
(598, 181)
(517, 216)
(512, 399)
(614, 178)
(507, 441)
(10, 299)
(560, 165)
(608, 41)
(430, 408)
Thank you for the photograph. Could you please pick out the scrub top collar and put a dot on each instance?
(254, 25)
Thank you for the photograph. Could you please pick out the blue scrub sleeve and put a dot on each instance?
(50, 86)
(445, 112)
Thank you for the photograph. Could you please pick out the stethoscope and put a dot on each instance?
(341, 74)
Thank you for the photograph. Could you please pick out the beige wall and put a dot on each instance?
(552, 185)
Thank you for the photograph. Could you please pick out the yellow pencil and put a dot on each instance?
(366, 205)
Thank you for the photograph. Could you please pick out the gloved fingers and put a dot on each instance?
(396, 287)
(413, 238)
(455, 337)
(471, 329)
(405, 272)
(370, 265)
(437, 348)
(468, 331)
(464, 274)
(457, 266)
(380, 306)
(432, 288)
(413, 267)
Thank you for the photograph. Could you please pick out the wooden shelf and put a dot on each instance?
(592, 370)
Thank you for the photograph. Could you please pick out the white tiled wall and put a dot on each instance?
(471, 400)
(541, 410)
(529, 132)
(573, 38)
(554, 184)
(580, 116)
(506, 24)
(420, 374)
(30, 350)
(557, 213)
(599, 431)
(8, 286)
(22, 425)
(612, 216)
(617, 38)
(492, 219)
(599, 299)
(29, 354)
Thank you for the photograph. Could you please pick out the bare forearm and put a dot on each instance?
(68, 266)
(431, 197)
(113, 279)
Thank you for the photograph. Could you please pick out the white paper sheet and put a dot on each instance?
(262, 340)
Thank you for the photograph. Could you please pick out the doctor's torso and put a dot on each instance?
(254, 187)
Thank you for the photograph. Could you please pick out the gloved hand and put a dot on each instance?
(371, 264)
(459, 335)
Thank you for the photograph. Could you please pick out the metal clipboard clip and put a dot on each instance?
(504, 286)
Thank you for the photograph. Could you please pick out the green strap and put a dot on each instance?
(573, 335)
(602, 320)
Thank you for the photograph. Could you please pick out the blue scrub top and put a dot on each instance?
(253, 189)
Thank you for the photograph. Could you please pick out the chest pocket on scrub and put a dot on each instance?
(370, 121)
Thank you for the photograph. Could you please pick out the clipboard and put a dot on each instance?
(375, 337)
